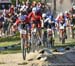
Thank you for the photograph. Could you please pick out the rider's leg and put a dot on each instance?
(60, 34)
(65, 32)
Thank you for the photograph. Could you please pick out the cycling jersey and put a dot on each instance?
(35, 18)
(32, 16)
(22, 23)
(22, 18)
(49, 22)
(62, 25)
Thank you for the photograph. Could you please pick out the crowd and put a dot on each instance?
(36, 13)
(8, 18)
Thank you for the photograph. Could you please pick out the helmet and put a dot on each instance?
(22, 17)
(60, 14)
(34, 9)
(50, 17)
(66, 12)
(73, 6)
(43, 15)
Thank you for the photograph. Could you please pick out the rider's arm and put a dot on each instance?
(29, 15)
(42, 23)
(46, 20)
(17, 22)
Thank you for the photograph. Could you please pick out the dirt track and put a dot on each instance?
(16, 59)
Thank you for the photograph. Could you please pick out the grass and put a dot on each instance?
(10, 38)
(15, 40)
(2, 63)
(16, 49)
(9, 41)
(69, 42)
(24, 63)
(10, 51)
(3, 44)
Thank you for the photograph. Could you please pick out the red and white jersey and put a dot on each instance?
(59, 18)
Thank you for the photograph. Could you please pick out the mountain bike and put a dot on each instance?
(50, 39)
(62, 34)
(73, 31)
(33, 39)
(25, 45)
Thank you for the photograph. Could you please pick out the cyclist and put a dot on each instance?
(23, 26)
(53, 23)
(49, 26)
(11, 9)
(1, 24)
(62, 25)
(72, 25)
(68, 22)
(35, 18)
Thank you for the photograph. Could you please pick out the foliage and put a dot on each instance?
(16, 49)
(14, 1)
(9, 43)
(10, 38)
(35, 0)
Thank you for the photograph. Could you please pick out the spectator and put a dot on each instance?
(1, 25)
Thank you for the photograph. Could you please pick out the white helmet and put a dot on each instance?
(66, 12)
(43, 15)
(73, 6)
(34, 9)
(60, 14)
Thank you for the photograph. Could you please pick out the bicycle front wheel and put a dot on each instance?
(24, 53)
(23, 49)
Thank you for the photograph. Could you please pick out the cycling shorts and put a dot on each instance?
(37, 23)
(23, 31)
(24, 28)
(61, 27)
(46, 24)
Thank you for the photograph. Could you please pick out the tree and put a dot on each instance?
(54, 7)
(14, 1)
(61, 1)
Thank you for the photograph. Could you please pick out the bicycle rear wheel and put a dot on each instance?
(63, 40)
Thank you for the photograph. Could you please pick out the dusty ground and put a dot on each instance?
(16, 60)
(58, 58)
